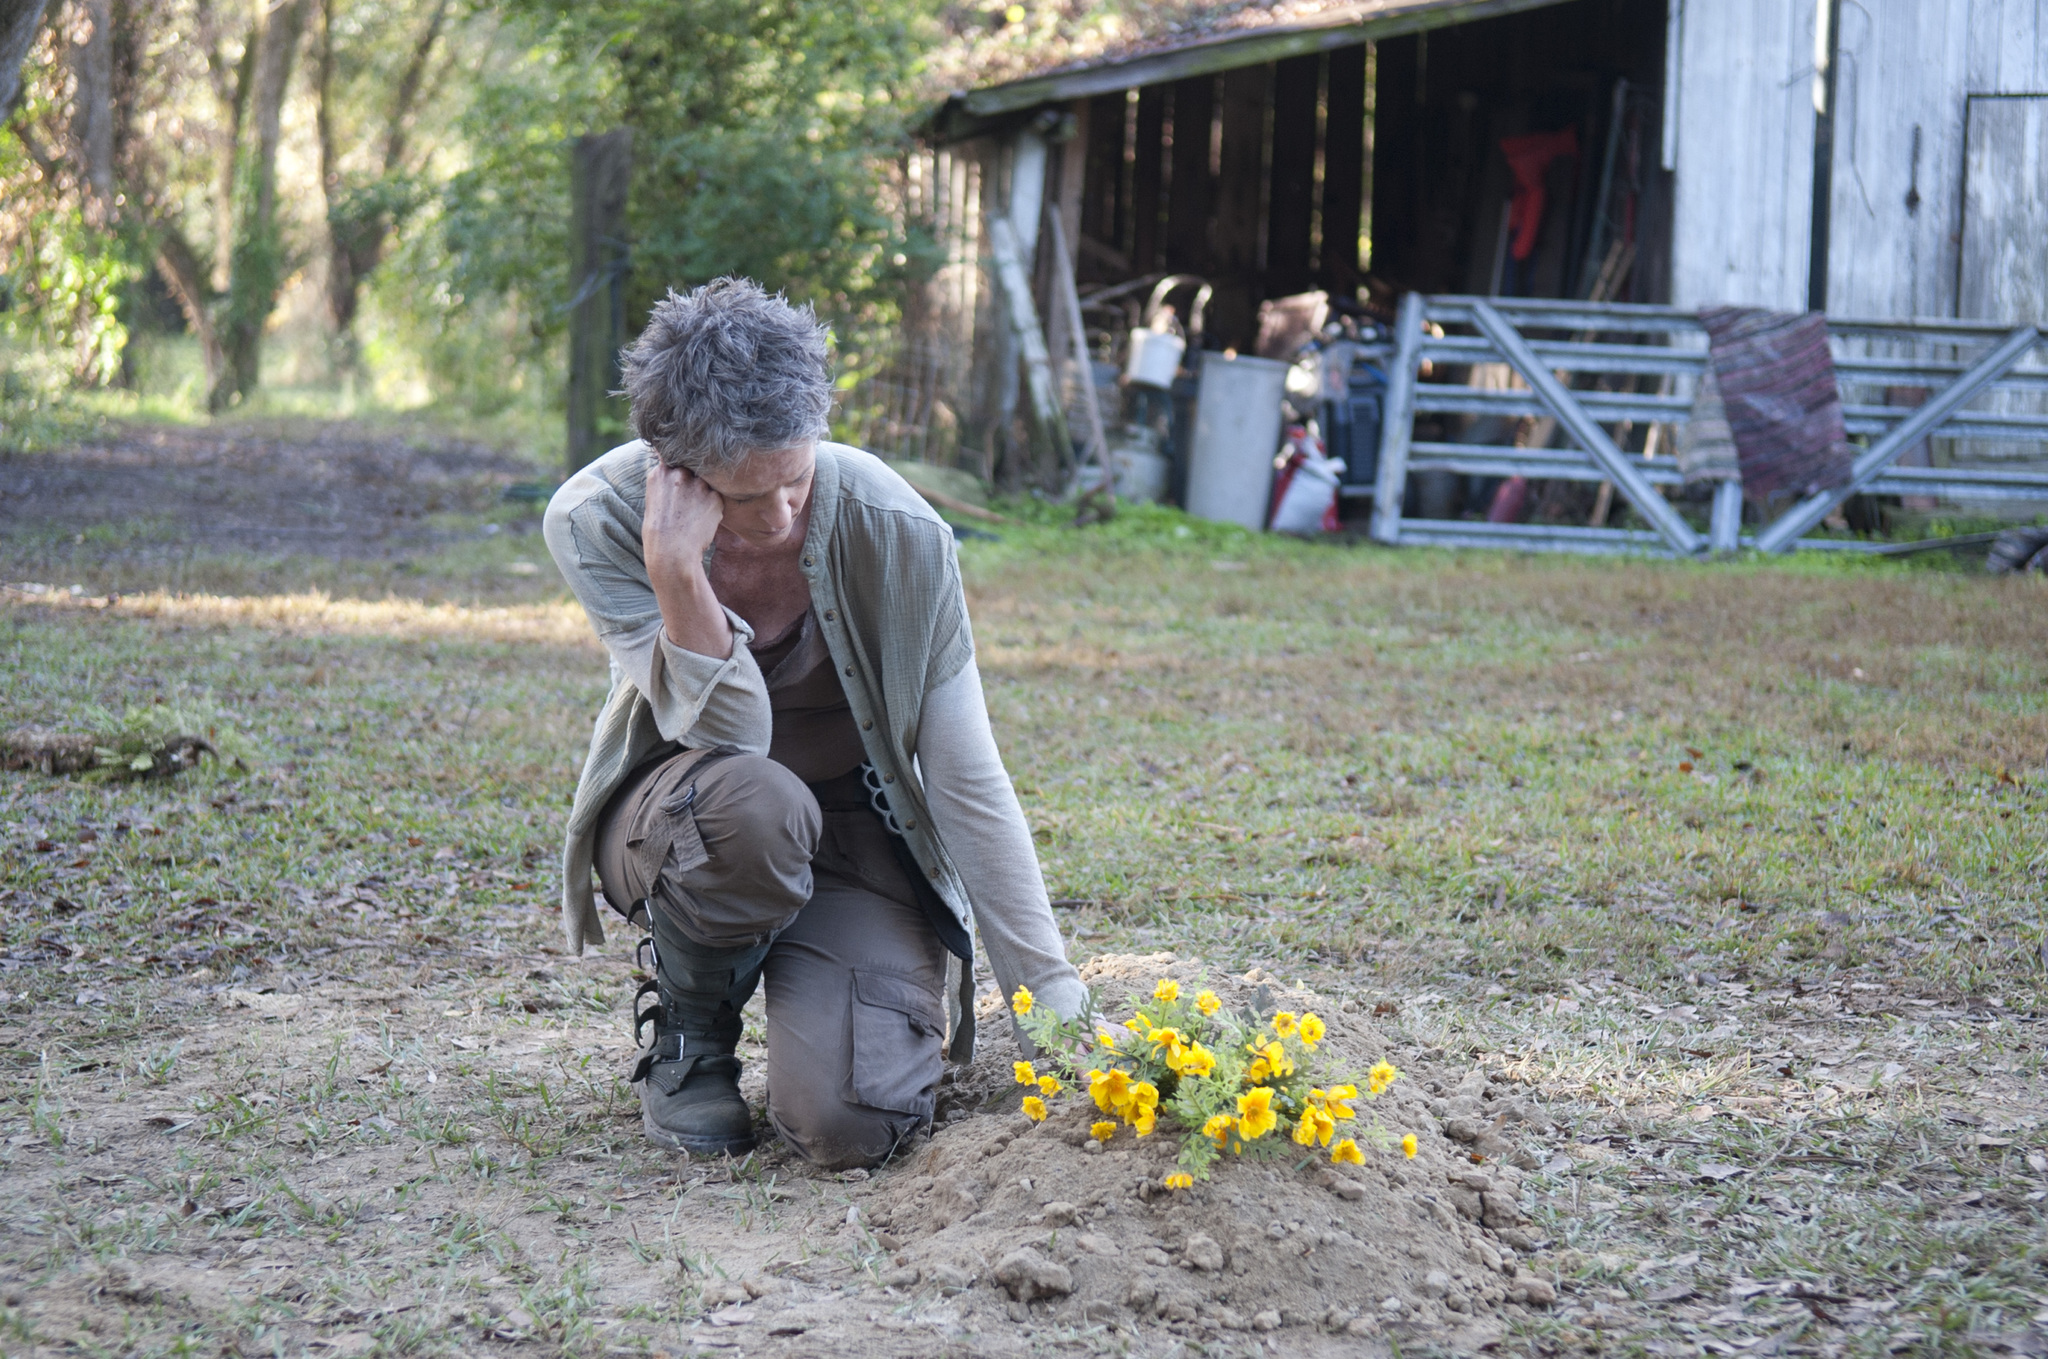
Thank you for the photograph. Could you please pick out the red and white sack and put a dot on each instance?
(1305, 488)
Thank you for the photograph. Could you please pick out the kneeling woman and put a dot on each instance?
(793, 777)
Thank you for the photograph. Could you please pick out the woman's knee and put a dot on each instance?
(752, 811)
(835, 1135)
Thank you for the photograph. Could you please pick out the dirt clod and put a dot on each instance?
(1203, 1252)
(1027, 1275)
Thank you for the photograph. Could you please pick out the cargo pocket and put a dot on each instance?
(897, 1030)
(668, 842)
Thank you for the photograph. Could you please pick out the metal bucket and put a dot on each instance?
(1155, 358)
(1237, 431)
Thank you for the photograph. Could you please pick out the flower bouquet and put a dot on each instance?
(1237, 1083)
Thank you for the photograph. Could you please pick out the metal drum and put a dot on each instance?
(1237, 431)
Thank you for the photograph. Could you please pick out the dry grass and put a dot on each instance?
(290, 1058)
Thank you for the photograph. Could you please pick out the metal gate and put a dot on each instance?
(1549, 343)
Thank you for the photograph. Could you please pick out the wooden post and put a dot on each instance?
(1343, 169)
(600, 171)
(1148, 178)
(1069, 294)
(1233, 313)
(1291, 206)
(1048, 420)
(1188, 200)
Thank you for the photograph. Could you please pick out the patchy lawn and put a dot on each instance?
(1736, 870)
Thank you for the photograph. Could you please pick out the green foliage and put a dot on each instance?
(762, 134)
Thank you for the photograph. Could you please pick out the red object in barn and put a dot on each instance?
(1529, 159)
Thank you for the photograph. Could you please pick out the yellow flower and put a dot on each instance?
(1048, 1086)
(1179, 1180)
(1276, 1059)
(1196, 1061)
(1346, 1152)
(1024, 1072)
(1143, 1111)
(1207, 1003)
(1102, 1132)
(1305, 1131)
(1105, 1039)
(1171, 1040)
(1337, 1099)
(1409, 1146)
(1218, 1127)
(1255, 1116)
(1311, 1030)
(1168, 989)
(1111, 1090)
(1283, 1023)
(1382, 1075)
(1034, 1108)
(1138, 1024)
(1021, 1001)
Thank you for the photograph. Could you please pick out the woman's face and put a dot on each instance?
(765, 495)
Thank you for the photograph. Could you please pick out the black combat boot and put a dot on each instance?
(689, 1078)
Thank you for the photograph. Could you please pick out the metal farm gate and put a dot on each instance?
(1567, 352)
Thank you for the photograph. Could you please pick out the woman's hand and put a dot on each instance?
(681, 519)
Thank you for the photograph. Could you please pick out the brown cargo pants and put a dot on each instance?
(734, 849)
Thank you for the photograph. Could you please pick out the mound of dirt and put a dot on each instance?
(1066, 1229)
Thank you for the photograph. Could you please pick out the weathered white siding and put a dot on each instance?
(1745, 152)
(1907, 64)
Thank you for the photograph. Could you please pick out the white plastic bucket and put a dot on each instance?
(1140, 475)
(1237, 431)
(1154, 358)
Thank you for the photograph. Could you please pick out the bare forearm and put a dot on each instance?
(690, 613)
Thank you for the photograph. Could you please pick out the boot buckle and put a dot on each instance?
(653, 1014)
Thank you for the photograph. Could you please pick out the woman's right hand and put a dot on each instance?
(680, 520)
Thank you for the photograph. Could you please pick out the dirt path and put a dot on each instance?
(148, 495)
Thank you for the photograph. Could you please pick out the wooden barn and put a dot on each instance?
(1876, 159)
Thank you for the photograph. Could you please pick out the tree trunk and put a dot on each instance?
(178, 265)
(600, 172)
(257, 265)
(19, 20)
(358, 226)
(231, 85)
(92, 119)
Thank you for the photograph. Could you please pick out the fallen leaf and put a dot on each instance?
(1719, 1170)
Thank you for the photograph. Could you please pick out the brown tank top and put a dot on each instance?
(814, 735)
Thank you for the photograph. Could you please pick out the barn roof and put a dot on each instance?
(1180, 38)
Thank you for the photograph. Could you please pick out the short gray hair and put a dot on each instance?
(726, 370)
